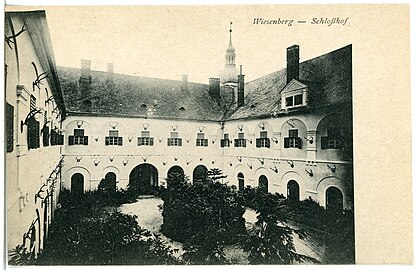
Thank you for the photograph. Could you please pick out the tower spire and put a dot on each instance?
(231, 30)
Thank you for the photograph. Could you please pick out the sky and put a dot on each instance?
(168, 41)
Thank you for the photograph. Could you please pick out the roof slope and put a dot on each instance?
(139, 96)
(329, 78)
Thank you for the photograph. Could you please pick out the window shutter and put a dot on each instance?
(120, 141)
(60, 139)
(85, 140)
(107, 140)
(222, 143)
(71, 140)
(179, 142)
(151, 141)
(258, 143)
(139, 141)
(286, 142)
(324, 142)
(268, 143)
(299, 142)
(9, 127)
(169, 142)
(45, 135)
(244, 143)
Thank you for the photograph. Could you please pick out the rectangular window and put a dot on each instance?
(200, 140)
(32, 102)
(33, 130)
(145, 139)
(289, 101)
(113, 138)
(298, 100)
(77, 139)
(333, 140)
(9, 127)
(174, 139)
(263, 141)
(45, 135)
(226, 141)
(293, 141)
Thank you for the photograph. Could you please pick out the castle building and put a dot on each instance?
(288, 132)
(34, 111)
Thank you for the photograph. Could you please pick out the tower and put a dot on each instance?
(230, 73)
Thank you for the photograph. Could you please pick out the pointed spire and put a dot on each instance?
(231, 30)
(230, 48)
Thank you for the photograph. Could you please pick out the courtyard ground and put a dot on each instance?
(149, 217)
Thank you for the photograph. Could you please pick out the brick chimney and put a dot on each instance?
(214, 87)
(240, 93)
(184, 85)
(110, 73)
(292, 62)
(85, 79)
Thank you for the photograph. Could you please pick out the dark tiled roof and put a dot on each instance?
(328, 77)
(135, 96)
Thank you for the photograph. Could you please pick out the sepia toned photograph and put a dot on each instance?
(173, 135)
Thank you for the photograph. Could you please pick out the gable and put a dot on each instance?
(292, 86)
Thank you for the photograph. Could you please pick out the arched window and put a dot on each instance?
(263, 183)
(108, 183)
(293, 190)
(334, 199)
(240, 177)
(77, 183)
(200, 174)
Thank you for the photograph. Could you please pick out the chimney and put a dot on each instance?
(292, 59)
(214, 87)
(240, 93)
(110, 73)
(85, 79)
(184, 85)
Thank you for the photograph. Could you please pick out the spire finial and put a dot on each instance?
(231, 30)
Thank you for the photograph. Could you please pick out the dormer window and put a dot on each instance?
(113, 138)
(294, 95)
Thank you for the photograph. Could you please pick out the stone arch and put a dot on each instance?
(77, 169)
(293, 190)
(331, 181)
(77, 183)
(199, 174)
(334, 199)
(109, 182)
(292, 175)
(263, 171)
(240, 179)
(143, 179)
(263, 183)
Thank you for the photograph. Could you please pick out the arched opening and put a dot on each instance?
(175, 172)
(143, 179)
(108, 183)
(293, 190)
(77, 183)
(334, 199)
(240, 177)
(200, 174)
(263, 183)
